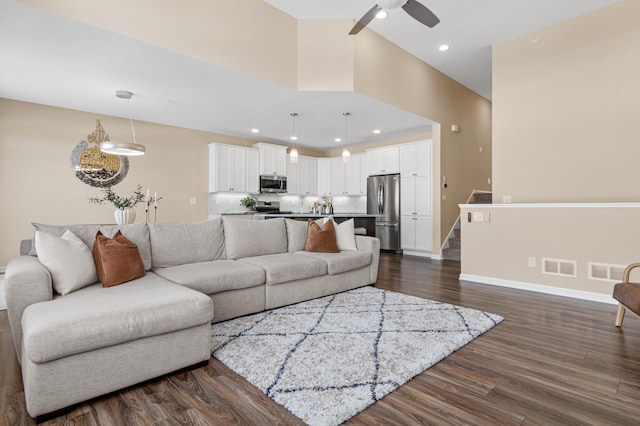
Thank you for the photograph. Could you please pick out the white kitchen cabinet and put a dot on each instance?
(338, 172)
(302, 177)
(415, 159)
(415, 197)
(383, 160)
(324, 176)
(415, 233)
(232, 169)
(355, 179)
(273, 159)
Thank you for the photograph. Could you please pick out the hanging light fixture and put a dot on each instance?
(346, 152)
(293, 154)
(124, 148)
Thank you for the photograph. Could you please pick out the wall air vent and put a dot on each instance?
(606, 272)
(564, 268)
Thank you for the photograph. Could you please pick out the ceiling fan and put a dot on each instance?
(417, 10)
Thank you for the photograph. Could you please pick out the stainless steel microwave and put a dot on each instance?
(273, 184)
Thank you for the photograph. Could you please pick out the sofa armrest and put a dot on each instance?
(26, 281)
(370, 244)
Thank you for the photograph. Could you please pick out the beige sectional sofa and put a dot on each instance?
(97, 340)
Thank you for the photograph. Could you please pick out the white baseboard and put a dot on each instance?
(427, 254)
(539, 288)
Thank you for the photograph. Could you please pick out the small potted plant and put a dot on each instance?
(249, 202)
(124, 213)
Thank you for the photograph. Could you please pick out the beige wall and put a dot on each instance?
(38, 184)
(564, 131)
(414, 86)
(565, 110)
(325, 63)
(500, 249)
(249, 36)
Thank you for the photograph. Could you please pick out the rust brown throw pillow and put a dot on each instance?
(321, 240)
(117, 259)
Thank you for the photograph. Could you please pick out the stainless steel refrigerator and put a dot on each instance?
(383, 201)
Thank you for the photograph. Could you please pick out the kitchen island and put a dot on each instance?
(366, 222)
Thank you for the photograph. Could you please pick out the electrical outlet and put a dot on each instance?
(489, 181)
(193, 200)
(532, 262)
(444, 197)
(480, 149)
(506, 199)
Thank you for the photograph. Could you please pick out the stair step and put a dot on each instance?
(451, 254)
(454, 243)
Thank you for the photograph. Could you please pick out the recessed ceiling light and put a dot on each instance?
(443, 47)
(338, 139)
(255, 130)
(377, 131)
(294, 138)
(381, 14)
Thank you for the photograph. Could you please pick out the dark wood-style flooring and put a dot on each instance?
(553, 361)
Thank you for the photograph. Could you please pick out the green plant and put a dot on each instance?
(118, 201)
(248, 201)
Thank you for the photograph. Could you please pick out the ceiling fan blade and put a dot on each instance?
(421, 13)
(364, 21)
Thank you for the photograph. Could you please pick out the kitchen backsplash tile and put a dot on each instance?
(230, 203)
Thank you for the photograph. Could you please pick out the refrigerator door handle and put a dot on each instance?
(381, 199)
(390, 225)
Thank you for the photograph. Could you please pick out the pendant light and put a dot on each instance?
(293, 154)
(124, 148)
(346, 152)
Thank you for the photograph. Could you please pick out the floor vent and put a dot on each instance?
(606, 272)
(565, 268)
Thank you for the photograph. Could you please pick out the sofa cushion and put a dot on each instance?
(296, 234)
(137, 233)
(117, 259)
(215, 276)
(246, 238)
(68, 260)
(175, 244)
(96, 317)
(345, 261)
(321, 240)
(285, 267)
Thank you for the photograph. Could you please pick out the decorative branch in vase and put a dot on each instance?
(124, 213)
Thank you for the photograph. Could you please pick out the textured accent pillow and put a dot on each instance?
(68, 260)
(345, 234)
(321, 240)
(117, 260)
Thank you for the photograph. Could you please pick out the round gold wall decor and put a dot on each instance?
(97, 168)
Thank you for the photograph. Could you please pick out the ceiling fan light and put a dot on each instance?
(381, 14)
(122, 148)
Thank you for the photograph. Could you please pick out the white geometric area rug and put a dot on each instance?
(327, 359)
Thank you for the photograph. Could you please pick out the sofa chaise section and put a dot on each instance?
(98, 340)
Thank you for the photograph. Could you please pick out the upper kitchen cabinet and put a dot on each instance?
(232, 168)
(302, 177)
(324, 176)
(273, 159)
(383, 160)
(415, 159)
(356, 175)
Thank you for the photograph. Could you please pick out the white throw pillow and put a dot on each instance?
(345, 234)
(68, 259)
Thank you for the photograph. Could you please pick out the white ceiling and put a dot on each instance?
(52, 60)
